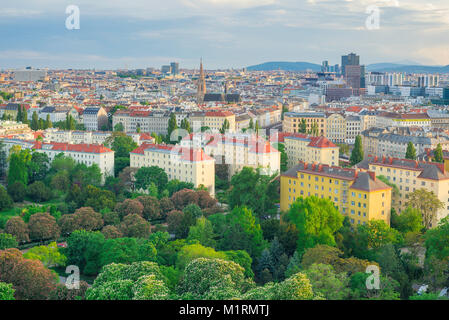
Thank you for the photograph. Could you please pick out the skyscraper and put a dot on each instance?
(201, 84)
(174, 68)
(349, 60)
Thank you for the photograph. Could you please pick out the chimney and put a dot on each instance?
(305, 165)
(313, 166)
(356, 173)
(372, 175)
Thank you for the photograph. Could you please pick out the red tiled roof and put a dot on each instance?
(89, 148)
(321, 142)
(219, 114)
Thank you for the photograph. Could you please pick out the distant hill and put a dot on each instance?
(286, 66)
(379, 67)
(394, 67)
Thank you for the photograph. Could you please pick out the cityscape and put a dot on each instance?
(274, 180)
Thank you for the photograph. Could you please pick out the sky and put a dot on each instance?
(225, 33)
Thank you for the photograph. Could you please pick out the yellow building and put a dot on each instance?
(358, 195)
(184, 164)
(410, 175)
(301, 147)
(214, 120)
(292, 121)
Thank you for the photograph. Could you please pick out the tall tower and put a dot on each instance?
(201, 84)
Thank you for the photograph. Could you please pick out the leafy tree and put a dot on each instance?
(111, 232)
(427, 203)
(175, 185)
(374, 235)
(39, 192)
(172, 124)
(242, 232)
(317, 221)
(203, 232)
(6, 291)
(191, 252)
(17, 191)
(437, 240)
(48, 123)
(410, 220)
(284, 158)
(7, 241)
(34, 121)
(242, 258)
(438, 154)
(225, 126)
(133, 225)
(3, 159)
(411, 151)
(84, 249)
(388, 288)
(303, 126)
(327, 283)
(127, 250)
(357, 152)
(38, 167)
(18, 166)
(88, 219)
(202, 275)
(185, 124)
(297, 287)
(43, 226)
(427, 296)
(151, 207)
(254, 190)
(294, 265)
(145, 175)
(5, 200)
(30, 279)
(119, 127)
(129, 206)
(48, 255)
(18, 228)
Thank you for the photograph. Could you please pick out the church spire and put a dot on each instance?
(201, 84)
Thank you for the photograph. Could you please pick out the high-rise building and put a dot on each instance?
(166, 69)
(174, 68)
(201, 84)
(325, 66)
(349, 60)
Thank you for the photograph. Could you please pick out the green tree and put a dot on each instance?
(145, 175)
(427, 203)
(438, 154)
(327, 283)
(203, 232)
(18, 166)
(84, 249)
(437, 240)
(48, 123)
(242, 232)
(225, 126)
(317, 221)
(185, 124)
(357, 151)
(411, 151)
(172, 125)
(49, 255)
(410, 220)
(34, 121)
(6, 291)
(7, 241)
(254, 190)
(303, 126)
(5, 200)
(17, 191)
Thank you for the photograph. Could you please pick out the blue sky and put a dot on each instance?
(226, 33)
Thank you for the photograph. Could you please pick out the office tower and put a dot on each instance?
(325, 66)
(166, 69)
(353, 77)
(349, 60)
(174, 68)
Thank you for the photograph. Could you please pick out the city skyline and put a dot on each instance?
(226, 33)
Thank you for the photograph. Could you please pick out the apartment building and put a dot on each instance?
(237, 151)
(146, 121)
(410, 175)
(213, 120)
(354, 126)
(87, 154)
(266, 117)
(13, 128)
(301, 147)
(336, 128)
(292, 121)
(383, 142)
(185, 164)
(95, 119)
(89, 137)
(358, 195)
(392, 119)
